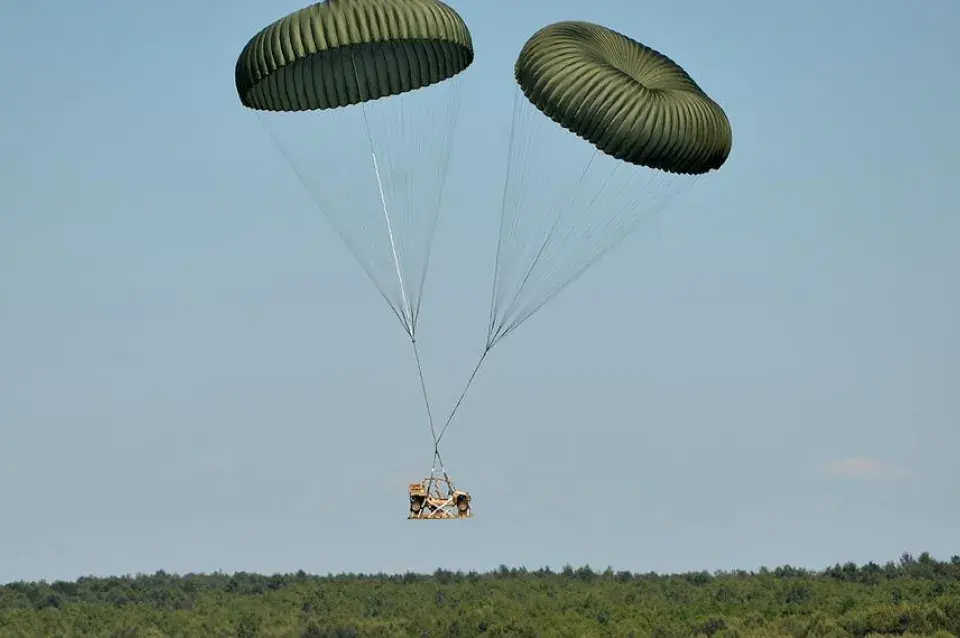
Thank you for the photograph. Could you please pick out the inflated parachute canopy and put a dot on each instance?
(341, 52)
(625, 98)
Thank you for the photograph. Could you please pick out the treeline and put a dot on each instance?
(916, 596)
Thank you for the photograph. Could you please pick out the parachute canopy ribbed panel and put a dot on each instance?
(628, 100)
(341, 52)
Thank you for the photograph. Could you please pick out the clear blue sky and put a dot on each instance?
(194, 371)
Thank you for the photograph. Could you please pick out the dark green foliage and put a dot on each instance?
(913, 597)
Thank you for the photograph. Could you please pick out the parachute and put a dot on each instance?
(392, 58)
(386, 71)
(639, 131)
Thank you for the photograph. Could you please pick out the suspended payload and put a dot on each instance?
(436, 498)
(384, 71)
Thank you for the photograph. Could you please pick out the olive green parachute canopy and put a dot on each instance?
(625, 98)
(341, 52)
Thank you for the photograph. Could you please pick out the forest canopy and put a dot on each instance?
(915, 596)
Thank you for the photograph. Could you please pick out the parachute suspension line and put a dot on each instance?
(405, 312)
(494, 332)
(409, 313)
(515, 175)
(426, 402)
(339, 230)
(411, 300)
(503, 213)
(517, 96)
(456, 406)
(588, 217)
(501, 333)
(521, 316)
(446, 148)
(599, 253)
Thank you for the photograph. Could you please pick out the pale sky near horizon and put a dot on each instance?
(195, 374)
